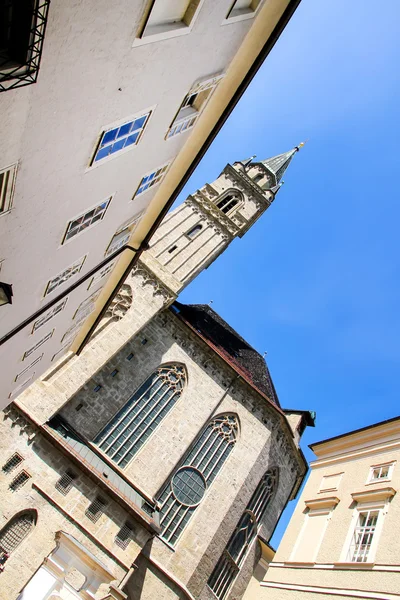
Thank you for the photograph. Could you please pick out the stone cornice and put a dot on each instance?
(375, 495)
(317, 503)
(146, 268)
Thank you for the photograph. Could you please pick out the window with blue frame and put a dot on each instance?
(150, 180)
(119, 138)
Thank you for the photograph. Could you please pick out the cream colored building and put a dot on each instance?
(343, 539)
(106, 108)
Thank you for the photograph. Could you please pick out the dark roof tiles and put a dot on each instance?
(236, 351)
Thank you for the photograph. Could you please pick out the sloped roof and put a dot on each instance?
(278, 164)
(230, 345)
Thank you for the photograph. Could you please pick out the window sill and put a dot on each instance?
(159, 33)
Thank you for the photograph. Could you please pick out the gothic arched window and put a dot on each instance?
(244, 535)
(228, 203)
(16, 530)
(185, 490)
(129, 429)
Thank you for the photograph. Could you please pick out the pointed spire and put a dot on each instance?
(277, 165)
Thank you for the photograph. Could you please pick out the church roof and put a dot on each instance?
(244, 359)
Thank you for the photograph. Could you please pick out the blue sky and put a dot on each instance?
(315, 282)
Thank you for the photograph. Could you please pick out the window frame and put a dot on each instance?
(78, 263)
(106, 201)
(107, 269)
(166, 31)
(372, 480)
(235, 15)
(48, 315)
(381, 508)
(7, 188)
(164, 170)
(197, 88)
(199, 227)
(38, 344)
(38, 359)
(146, 112)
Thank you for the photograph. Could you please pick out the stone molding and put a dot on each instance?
(200, 202)
(151, 279)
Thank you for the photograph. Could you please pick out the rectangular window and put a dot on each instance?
(87, 219)
(118, 241)
(7, 182)
(66, 274)
(95, 509)
(102, 273)
(243, 9)
(130, 223)
(167, 18)
(19, 481)
(330, 482)
(13, 462)
(150, 180)
(86, 307)
(192, 106)
(62, 350)
(38, 359)
(37, 345)
(120, 138)
(71, 333)
(380, 473)
(52, 312)
(20, 387)
(361, 542)
(22, 27)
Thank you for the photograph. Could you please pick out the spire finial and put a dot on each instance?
(302, 144)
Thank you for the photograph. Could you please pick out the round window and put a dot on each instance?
(188, 486)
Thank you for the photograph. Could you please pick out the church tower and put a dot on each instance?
(194, 234)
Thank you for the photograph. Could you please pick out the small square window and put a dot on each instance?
(150, 180)
(124, 536)
(65, 483)
(192, 106)
(168, 18)
(95, 509)
(7, 183)
(85, 220)
(380, 473)
(119, 138)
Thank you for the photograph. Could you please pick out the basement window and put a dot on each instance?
(193, 105)
(7, 182)
(168, 18)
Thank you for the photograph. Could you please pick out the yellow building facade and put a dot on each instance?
(342, 541)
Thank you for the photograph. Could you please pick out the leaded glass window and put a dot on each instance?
(131, 427)
(14, 532)
(244, 535)
(186, 488)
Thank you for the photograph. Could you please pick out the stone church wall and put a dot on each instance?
(55, 511)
